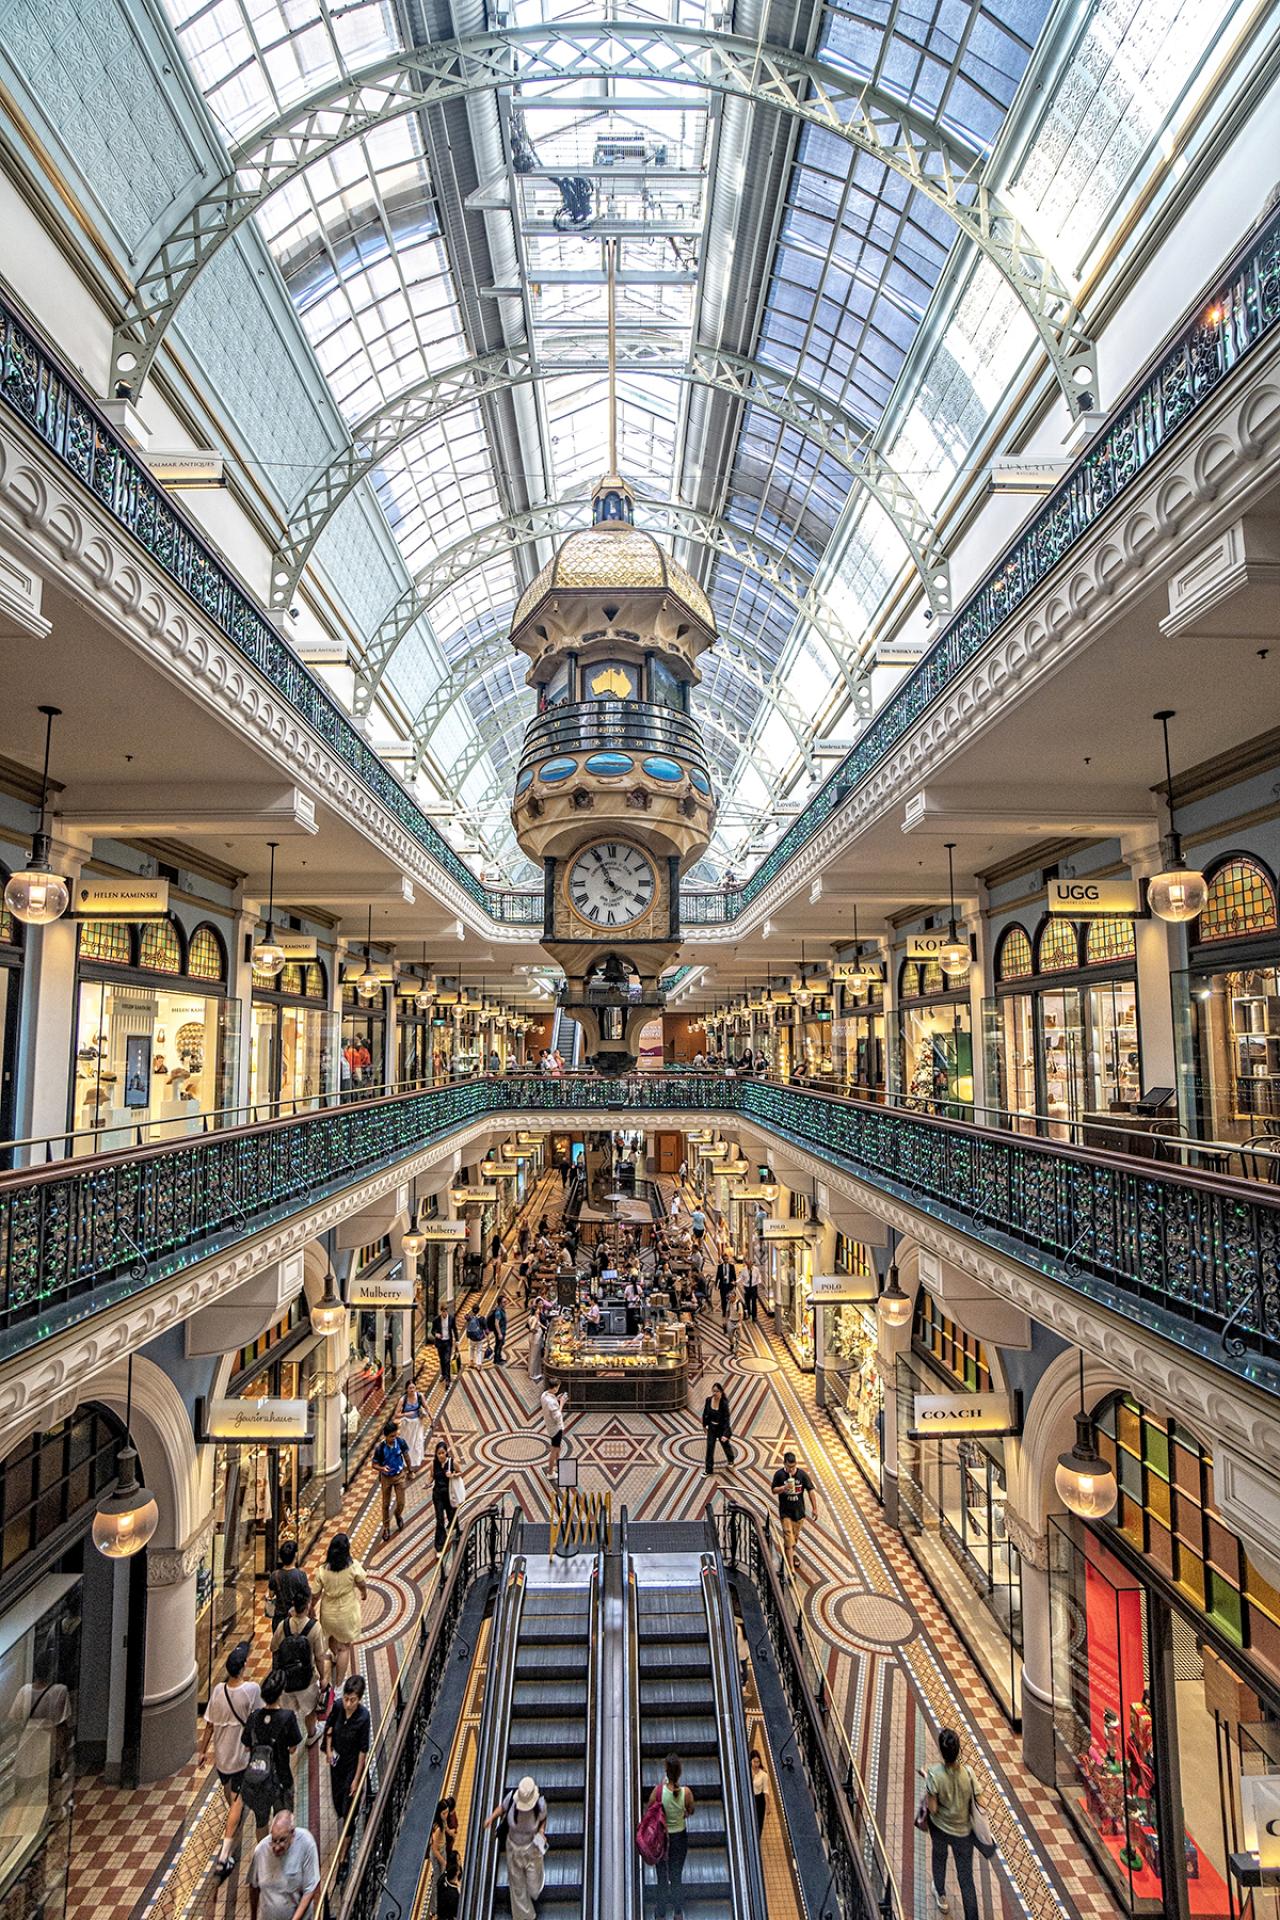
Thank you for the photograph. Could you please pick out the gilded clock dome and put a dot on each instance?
(614, 556)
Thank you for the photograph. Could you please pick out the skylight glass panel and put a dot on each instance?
(252, 58)
(481, 604)
(439, 487)
(578, 412)
(745, 603)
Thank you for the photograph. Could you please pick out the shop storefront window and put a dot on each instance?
(364, 1040)
(1227, 1011)
(850, 1383)
(293, 1046)
(155, 1041)
(935, 1042)
(953, 1492)
(1166, 1662)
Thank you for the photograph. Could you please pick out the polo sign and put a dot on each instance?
(842, 1289)
(942, 1415)
(1093, 899)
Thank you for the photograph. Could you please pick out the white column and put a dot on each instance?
(240, 987)
(391, 1060)
(892, 1341)
(170, 1681)
(48, 1014)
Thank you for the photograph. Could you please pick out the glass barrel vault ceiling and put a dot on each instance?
(858, 259)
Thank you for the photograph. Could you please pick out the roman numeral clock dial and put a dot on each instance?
(611, 884)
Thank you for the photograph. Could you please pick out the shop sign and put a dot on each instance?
(392, 1290)
(942, 1415)
(1260, 1808)
(788, 1229)
(442, 1232)
(1094, 899)
(460, 1195)
(247, 1421)
(765, 1194)
(497, 1170)
(843, 1289)
(297, 946)
(384, 970)
(122, 899)
(713, 1149)
(927, 946)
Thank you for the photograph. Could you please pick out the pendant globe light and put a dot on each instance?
(329, 1314)
(413, 1239)
(269, 955)
(1178, 892)
(368, 985)
(860, 974)
(954, 956)
(37, 896)
(1085, 1483)
(426, 992)
(128, 1517)
(801, 992)
(894, 1306)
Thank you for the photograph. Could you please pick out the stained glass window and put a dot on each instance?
(8, 927)
(958, 1353)
(1166, 1511)
(1241, 900)
(1108, 940)
(1013, 960)
(206, 957)
(159, 948)
(51, 1477)
(1059, 946)
(932, 978)
(109, 942)
(313, 986)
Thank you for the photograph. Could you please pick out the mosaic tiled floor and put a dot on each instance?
(893, 1661)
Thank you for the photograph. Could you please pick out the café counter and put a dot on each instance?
(625, 1375)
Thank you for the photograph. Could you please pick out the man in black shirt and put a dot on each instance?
(444, 1333)
(726, 1276)
(793, 1488)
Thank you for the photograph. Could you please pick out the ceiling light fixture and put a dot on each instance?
(128, 1517)
(1178, 892)
(329, 1314)
(894, 1306)
(954, 955)
(37, 896)
(368, 986)
(269, 955)
(1085, 1483)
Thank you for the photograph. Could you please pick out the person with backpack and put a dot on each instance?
(225, 1718)
(496, 1324)
(340, 1590)
(302, 1657)
(287, 1585)
(523, 1812)
(391, 1464)
(270, 1735)
(475, 1335)
(677, 1804)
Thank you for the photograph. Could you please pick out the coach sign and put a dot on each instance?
(941, 1416)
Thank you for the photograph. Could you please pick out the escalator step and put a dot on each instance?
(677, 1653)
(560, 1780)
(557, 1657)
(563, 1871)
(545, 1600)
(552, 1696)
(701, 1772)
(663, 1733)
(677, 1696)
(545, 1736)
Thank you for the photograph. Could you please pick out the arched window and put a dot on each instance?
(159, 948)
(206, 955)
(1059, 946)
(49, 1479)
(313, 985)
(1107, 940)
(909, 981)
(958, 1353)
(1013, 956)
(108, 942)
(1242, 900)
(932, 978)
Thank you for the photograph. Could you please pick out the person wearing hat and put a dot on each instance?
(525, 1813)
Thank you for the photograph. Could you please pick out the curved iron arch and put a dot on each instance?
(558, 517)
(849, 109)
(833, 429)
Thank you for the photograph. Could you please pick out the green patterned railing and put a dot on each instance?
(1241, 308)
(1193, 1256)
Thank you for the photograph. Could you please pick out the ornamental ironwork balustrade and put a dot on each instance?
(1193, 1256)
(1240, 309)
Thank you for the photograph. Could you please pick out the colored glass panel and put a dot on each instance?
(159, 948)
(1014, 959)
(109, 942)
(206, 956)
(1241, 901)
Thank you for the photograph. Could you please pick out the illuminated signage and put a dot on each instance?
(756, 1193)
(461, 1195)
(296, 946)
(249, 1420)
(842, 1289)
(927, 946)
(1090, 899)
(443, 1231)
(940, 1415)
(122, 899)
(788, 1229)
(392, 1291)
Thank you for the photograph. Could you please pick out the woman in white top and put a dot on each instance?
(413, 1425)
(230, 1704)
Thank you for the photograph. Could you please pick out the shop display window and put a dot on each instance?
(150, 1052)
(40, 1653)
(293, 1046)
(1228, 1034)
(1059, 1054)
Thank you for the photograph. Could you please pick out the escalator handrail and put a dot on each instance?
(480, 1873)
(593, 1795)
(850, 1833)
(631, 1786)
(746, 1870)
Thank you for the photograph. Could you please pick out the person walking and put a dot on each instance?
(537, 1341)
(949, 1801)
(413, 1425)
(270, 1735)
(759, 1788)
(340, 1589)
(475, 1336)
(733, 1320)
(444, 1335)
(698, 1221)
(225, 1719)
(717, 1424)
(525, 1812)
(442, 1472)
(302, 1657)
(347, 1735)
(449, 1892)
(553, 1406)
(677, 1809)
(284, 1872)
(796, 1503)
(496, 1326)
(751, 1293)
(726, 1278)
(287, 1584)
(391, 1464)
(442, 1844)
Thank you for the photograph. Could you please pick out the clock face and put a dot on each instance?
(611, 884)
